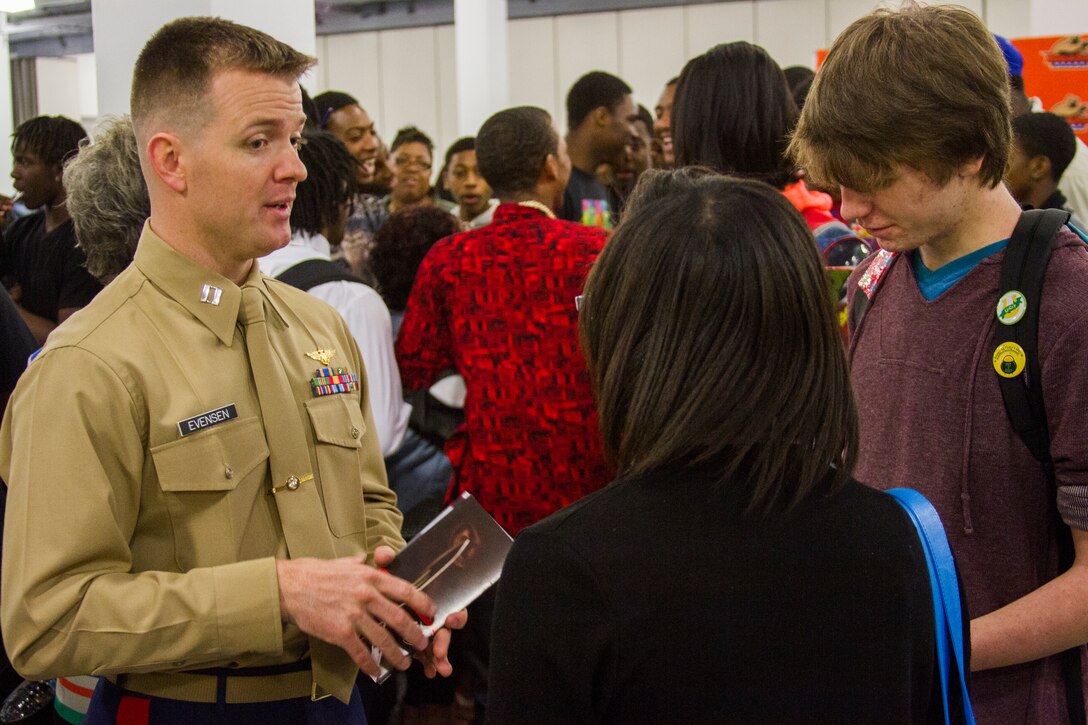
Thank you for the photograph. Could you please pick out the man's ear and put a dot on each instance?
(972, 167)
(1039, 166)
(601, 116)
(164, 155)
(549, 172)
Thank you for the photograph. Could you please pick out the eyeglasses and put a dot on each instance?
(403, 162)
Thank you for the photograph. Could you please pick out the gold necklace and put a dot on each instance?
(539, 207)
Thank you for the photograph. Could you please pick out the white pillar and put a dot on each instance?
(483, 85)
(121, 27)
(7, 111)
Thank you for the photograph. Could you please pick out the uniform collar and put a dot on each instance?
(208, 296)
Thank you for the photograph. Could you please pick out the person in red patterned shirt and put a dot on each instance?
(498, 304)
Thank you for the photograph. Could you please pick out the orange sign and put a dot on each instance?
(1056, 71)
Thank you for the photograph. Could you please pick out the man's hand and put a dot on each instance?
(435, 657)
(345, 601)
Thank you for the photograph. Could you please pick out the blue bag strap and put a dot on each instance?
(946, 592)
(940, 619)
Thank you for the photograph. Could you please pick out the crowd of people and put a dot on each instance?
(251, 349)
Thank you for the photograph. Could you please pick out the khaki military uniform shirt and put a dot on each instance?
(131, 548)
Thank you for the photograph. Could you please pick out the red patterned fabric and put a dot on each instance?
(498, 304)
(134, 711)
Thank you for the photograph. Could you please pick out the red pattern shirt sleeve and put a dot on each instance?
(424, 346)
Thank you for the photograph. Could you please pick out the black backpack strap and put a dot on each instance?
(858, 310)
(1026, 258)
(1024, 269)
(312, 272)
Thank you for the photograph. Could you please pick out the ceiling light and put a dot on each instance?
(16, 6)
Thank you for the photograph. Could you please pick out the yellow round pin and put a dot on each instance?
(1009, 360)
(1011, 307)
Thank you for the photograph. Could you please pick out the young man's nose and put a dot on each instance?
(855, 205)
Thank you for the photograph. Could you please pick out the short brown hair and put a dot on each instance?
(178, 63)
(920, 86)
(708, 330)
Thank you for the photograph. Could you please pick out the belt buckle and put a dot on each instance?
(314, 697)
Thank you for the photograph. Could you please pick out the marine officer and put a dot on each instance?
(202, 436)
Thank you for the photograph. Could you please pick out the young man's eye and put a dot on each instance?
(257, 143)
(298, 142)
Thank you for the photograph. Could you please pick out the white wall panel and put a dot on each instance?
(791, 30)
(321, 71)
(651, 47)
(533, 79)
(584, 43)
(58, 87)
(294, 23)
(121, 27)
(409, 84)
(1058, 17)
(709, 25)
(88, 90)
(352, 65)
(445, 132)
(1011, 18)
(975, 6)
(840, 13)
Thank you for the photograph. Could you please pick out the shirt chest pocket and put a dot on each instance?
(340, 432)
(213, 484)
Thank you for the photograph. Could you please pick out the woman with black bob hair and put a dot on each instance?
(734, 572)
(733, 112)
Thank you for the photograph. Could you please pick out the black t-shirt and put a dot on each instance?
(48, 266)
(586, 201)
(16, 344)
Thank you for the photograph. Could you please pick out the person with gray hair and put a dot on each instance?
(107, 198)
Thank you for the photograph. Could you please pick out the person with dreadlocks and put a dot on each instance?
(418, 471)
(40, 265)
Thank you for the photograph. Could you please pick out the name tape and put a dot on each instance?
(206, 420)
